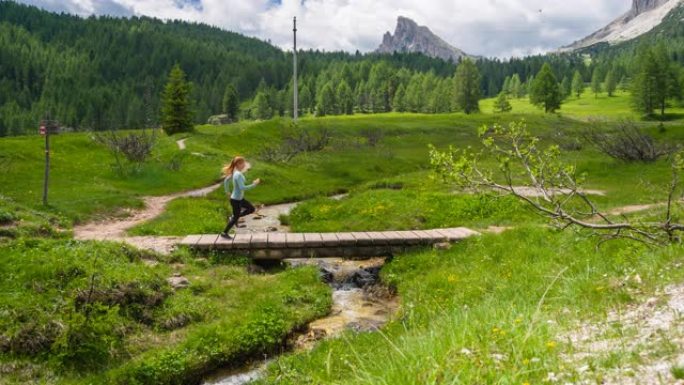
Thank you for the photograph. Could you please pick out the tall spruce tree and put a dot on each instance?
(516, 87)
(261, 107)
(467, 91)
(326, 101)
(596, 83)
(231, 103)
(545, 90)
(345, 99)
(566, 87)
(399, 101)
(577, 84)
(610, 83)
(655, 81)
(176, 112)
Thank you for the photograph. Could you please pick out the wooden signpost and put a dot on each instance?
(47, 128)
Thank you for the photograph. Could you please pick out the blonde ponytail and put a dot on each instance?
(230, 168)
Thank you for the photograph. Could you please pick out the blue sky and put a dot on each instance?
(500, 28)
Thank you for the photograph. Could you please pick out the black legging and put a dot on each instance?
(240, 209)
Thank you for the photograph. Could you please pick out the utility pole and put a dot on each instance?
(296, 90)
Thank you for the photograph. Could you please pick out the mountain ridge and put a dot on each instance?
(409, 37)
(642, 17)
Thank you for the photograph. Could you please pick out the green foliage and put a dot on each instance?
(610, 83)
(655, 82)
(502, 104)
(231, 103)
(326, 101)
(467, 87)
(176, 112)
(577, 84)
(344, 99)
(566, 87)
(399, 101)
(493, 309)
(596, 83)
(545, 90)
(261, 108)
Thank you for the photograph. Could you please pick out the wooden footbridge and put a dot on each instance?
(325, 245)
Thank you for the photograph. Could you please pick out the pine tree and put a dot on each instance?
(467, 87)
(506, 88)
(655, 81)
(326, 101)
(596, 83)
(345, 99)
(261, 107)
(231, 103)
(516, 89)
(566, 87)
(577, 84)
(610, 83)
(399, 101)
(305, 99)
(545, 90)
(176, 114)
(501, 104)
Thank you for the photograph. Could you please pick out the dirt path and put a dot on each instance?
(181, 144)
(115, 229)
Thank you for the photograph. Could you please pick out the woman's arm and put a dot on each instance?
(241, 183)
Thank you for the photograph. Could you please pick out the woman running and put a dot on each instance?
(241, 206)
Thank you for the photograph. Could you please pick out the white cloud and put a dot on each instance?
(485, 27)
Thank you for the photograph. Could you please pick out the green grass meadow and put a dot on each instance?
(494, 309)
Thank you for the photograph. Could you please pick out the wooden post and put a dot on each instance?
(296, 90)
(47, 164)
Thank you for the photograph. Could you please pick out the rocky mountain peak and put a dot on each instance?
(410, 37)
(640, 19)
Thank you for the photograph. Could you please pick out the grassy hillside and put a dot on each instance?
(495, 309)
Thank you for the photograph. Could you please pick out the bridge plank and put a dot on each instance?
(362, 239)
(410, 237)
(207, 241)
(378, 237)
(277, 241)
(313, 239)
(330, 239)
(346, 239)
(295, 240)
(223, 243)
(190, 240)
(259, 241)
(241, 241)
(394, 238)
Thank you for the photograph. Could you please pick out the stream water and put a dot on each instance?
(360, 303)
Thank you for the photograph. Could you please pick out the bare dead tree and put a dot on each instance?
(628, 143)
(559, 196)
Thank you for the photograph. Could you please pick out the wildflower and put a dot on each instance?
(452, 278)
(526, 361)
(551, 344)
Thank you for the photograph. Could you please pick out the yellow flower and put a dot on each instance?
(526, 361)
(526, 383)
(551, 344)
(452, 278)
(518, 320)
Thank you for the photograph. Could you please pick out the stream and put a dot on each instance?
(360, 303)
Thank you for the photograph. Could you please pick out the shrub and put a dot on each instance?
(296, 141)
(628, 143)
(134, 147)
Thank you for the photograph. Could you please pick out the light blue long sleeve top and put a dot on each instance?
(239, 186)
